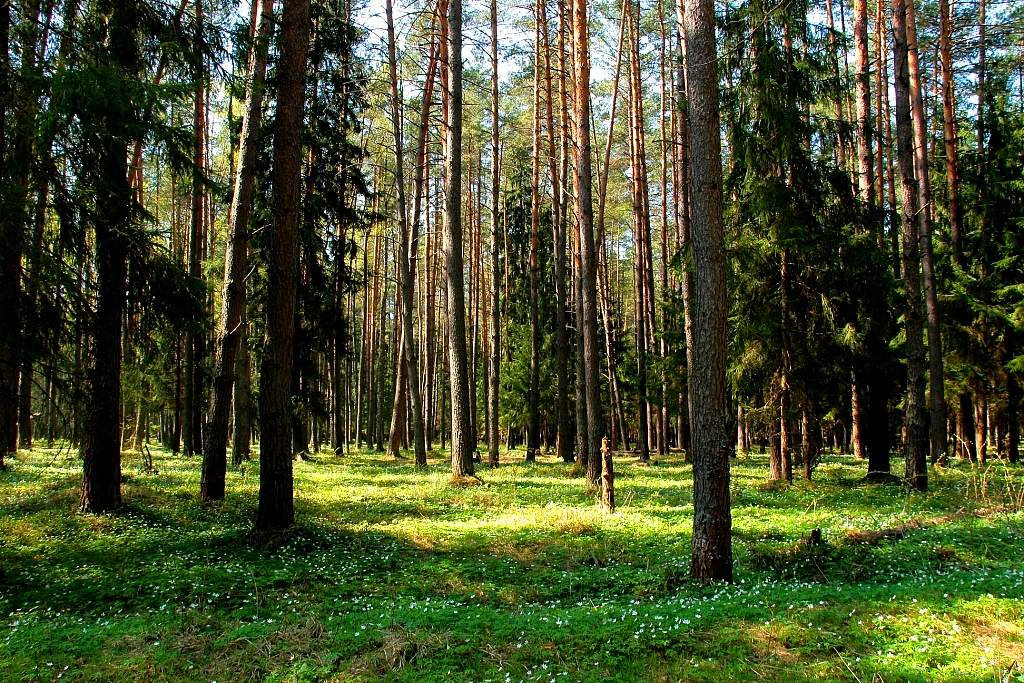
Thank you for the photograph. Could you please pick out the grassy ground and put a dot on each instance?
(392, 574)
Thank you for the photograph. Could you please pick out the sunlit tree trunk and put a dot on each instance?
(712, 517)
(643, 277)
(533, 390)
(936, 372)
(558, 223)
(585, 224)
(916, 447)
(494, 359)
(462, 452)
(407, 273)
(195, 344)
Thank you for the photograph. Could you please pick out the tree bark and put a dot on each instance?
(276, 504)
(494, 360)
(101, 452)
(533, 390)
(949, 132)
(582, 177)
(712, 518)
(643, 277)
(936, 372)
(916, 447)
(242, 397)
(684, 234)
(462, 451)
(196, 343)
(407, 272)
(558, 223)
(230, 325)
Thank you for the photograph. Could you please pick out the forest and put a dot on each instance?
(347, 340)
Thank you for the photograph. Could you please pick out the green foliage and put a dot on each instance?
(810, 288)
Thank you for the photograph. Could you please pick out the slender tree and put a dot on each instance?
(461, 430)
(582, 178)
(494, 360)
(916, 447)
(236, 258)
(936, 370)
(407, 274)
(536, 337)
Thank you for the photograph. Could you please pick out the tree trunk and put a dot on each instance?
(276, 504)
(230, 325)
(242, 398)
(936, 372)
(684, 227)
(981, 424)
(712, 518)
(407, 272)
(101, 452)
(15, 156)
(494, 360)
(195, 344)
(533, 390)
(865, 169)
(916, 447)
(641, 227)
(585, 224)
(462, 451)
(949, 132)
(558, 223)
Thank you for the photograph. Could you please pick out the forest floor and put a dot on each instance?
(392, 574)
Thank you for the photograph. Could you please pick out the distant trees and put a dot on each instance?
(418, 256)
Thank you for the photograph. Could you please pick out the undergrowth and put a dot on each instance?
(394, 574)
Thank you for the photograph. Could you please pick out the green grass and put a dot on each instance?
(392, 574)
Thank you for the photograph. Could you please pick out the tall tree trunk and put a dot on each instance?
(11, 236)
(712, 517)
(195, 345)
(684, 235)
(16, 147)
(663, 413)
(936, 372)
(643, 276)
(494, 360)
(26, 115)
(101, 452)
(865, 169)
(533, 390)
(949, 132)
(230, 325)
(276, 504)
(462, 449)
(887, 147)
(916, 447)
(602, 270)
(558, 223)
(406, 269)
(588, 250)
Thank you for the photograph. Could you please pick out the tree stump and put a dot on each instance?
(607, 476)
